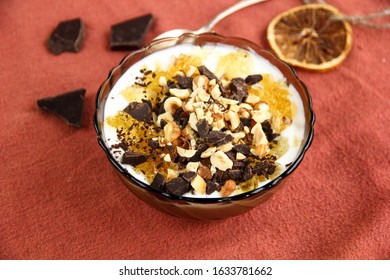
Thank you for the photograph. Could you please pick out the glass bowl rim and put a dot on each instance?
(215, 38)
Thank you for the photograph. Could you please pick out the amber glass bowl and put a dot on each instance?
(190, 207)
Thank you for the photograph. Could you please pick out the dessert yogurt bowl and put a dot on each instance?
(203, 126)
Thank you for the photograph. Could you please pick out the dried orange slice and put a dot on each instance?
(307, 36)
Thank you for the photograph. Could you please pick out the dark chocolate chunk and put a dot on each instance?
(264, 168)
(170, 148)
(178, 186)
(224, 91)
(217, 138)
(68, 106)
(238, 164)
(246, 122)
(235, 174)
(130, 34)
(247, 173)
(239, 128)
(205, 162)
(242, 148)
(238, 89)
(201, 148)
(177, 115)
(204, 71)
(163, 123)
(140, 111)
(184, 118)
(231, 155)
(171, 84)
(121, 145)
(184, 82)
(211, 187)
(266, 126)
(271, 169)
(181, 160)
(158, 182)
(220, 177)
(160, 108)
(153, 144)
(68, 36)
(188, 176)
(133, 158)
(203, 128)
(253, 79)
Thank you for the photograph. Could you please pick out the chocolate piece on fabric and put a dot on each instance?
(130, 34)
(68, 36)
(68, 106)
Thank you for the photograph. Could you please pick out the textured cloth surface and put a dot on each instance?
(60, 198)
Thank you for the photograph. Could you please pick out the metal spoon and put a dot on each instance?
(238, 6)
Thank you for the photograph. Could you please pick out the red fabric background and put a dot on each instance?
(60, 198)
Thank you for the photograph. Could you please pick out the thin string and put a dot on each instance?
(360, 20)
(364, 20)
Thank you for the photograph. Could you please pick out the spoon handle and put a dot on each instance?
(238, 6)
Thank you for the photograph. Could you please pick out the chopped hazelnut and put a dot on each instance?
(208, 152)
(228, 101)
(260, 116)
(215, 92)
(171, 131)
(191, 71)
(240, 156)
(221, 161)
(193, 121)
(199, 113)
(185, 153)
(200, 81)
(180, 93)
(189, 105)
(167, 158)
(260, 150)
(171, 104)
(234, 119)
(259, 136)
(171, 174)
(199, 184)
(192, 166)
(226, 147)
(252, 99)
(162, 81)
(204, 172)
(228, 188)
